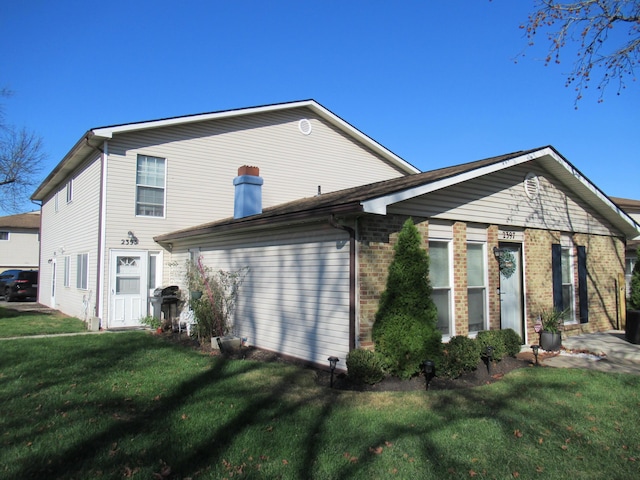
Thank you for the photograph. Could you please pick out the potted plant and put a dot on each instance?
(632, 324)
(550, 335)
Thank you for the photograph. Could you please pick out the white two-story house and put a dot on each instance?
(120, 186)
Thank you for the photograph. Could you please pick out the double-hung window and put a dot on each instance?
(82, 271)
(67, 271)
(150, 186)
(476, 286)
(4, 235)
(563, 283)
(440, 275)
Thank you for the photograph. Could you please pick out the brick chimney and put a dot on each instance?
(248, 193)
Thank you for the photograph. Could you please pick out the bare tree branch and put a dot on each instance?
(607, 33)
(21, 158)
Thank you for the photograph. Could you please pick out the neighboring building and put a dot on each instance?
(20, 241)
(508, 237)
(632, 207)
(122, 185)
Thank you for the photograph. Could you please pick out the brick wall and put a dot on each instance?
(605, 259)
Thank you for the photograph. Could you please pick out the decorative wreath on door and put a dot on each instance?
(507, 263)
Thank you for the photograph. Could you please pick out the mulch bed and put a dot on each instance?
(480, 376)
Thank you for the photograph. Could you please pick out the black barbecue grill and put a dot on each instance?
(165, 303)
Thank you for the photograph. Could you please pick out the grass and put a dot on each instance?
(14, 323)
(132, 405)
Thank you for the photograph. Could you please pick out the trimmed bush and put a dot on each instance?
(634, 297)
(460, 355)
(406, 344)
(493, 338)
(512, 342)
(365, 366)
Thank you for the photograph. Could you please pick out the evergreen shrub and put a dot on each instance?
(365, 366)
(512, 341)
(634, 297)
(405, 325)
(491, 338)
(460, 355)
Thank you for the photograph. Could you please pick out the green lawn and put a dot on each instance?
(18, 324)
(133, 405)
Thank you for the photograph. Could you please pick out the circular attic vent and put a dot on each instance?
(305, 126)
(531, 185)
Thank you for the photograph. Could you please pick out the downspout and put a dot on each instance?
(101, 233)
(352, 279)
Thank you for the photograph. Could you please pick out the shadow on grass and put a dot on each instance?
(535, 403)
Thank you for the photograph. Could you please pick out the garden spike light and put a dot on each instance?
(332, 365)
(429, 371)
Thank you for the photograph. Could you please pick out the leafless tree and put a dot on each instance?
(607, 33)
(21, 158)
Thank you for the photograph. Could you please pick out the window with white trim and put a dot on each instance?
(69, 191)
(4, 235)
(67, 271)
(150, 186)
(476, 286)
(440, 276)
(82, 271)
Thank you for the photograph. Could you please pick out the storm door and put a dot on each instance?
(128, 288)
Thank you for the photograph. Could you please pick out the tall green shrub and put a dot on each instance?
(405, 325)
(634, 297)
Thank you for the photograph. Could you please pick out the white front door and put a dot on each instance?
(128, 288)
(511, 311)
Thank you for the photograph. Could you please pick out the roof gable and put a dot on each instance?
(93, 140)
(377, 197)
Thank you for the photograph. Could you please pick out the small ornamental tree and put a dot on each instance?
(405, 325)
(634, 296)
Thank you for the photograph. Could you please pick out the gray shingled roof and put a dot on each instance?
(339, 202)
(21, 220)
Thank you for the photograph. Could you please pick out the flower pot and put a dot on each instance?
(550, 341)
(196, 295)
(632, 327)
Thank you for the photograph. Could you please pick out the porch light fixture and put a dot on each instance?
(535, 349)
(332, 365)
(497, 253)
(429, 371)
(488, 353)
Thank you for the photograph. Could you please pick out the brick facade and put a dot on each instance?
(605, 260)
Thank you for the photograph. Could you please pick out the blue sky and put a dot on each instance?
(435, 82)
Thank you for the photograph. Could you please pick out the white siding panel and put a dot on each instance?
(21, 251)
(295, 297)
(500, 199)
(72, 230)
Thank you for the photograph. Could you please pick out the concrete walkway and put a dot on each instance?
(603, 351)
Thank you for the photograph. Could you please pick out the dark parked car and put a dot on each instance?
(19, 284)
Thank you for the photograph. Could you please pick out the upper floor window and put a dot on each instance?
(4, 235)
(69, 191)
(150, 186)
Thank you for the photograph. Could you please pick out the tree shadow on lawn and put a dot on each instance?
(505, 405)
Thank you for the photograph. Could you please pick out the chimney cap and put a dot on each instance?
(248, 170)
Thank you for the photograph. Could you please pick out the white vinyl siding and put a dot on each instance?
(295, 296)
(500, 199)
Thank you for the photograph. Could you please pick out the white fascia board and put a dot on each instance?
(106, 133)
(627, 221)
(379, 205)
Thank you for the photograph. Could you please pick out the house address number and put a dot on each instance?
(508, 235)
(129, 241)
